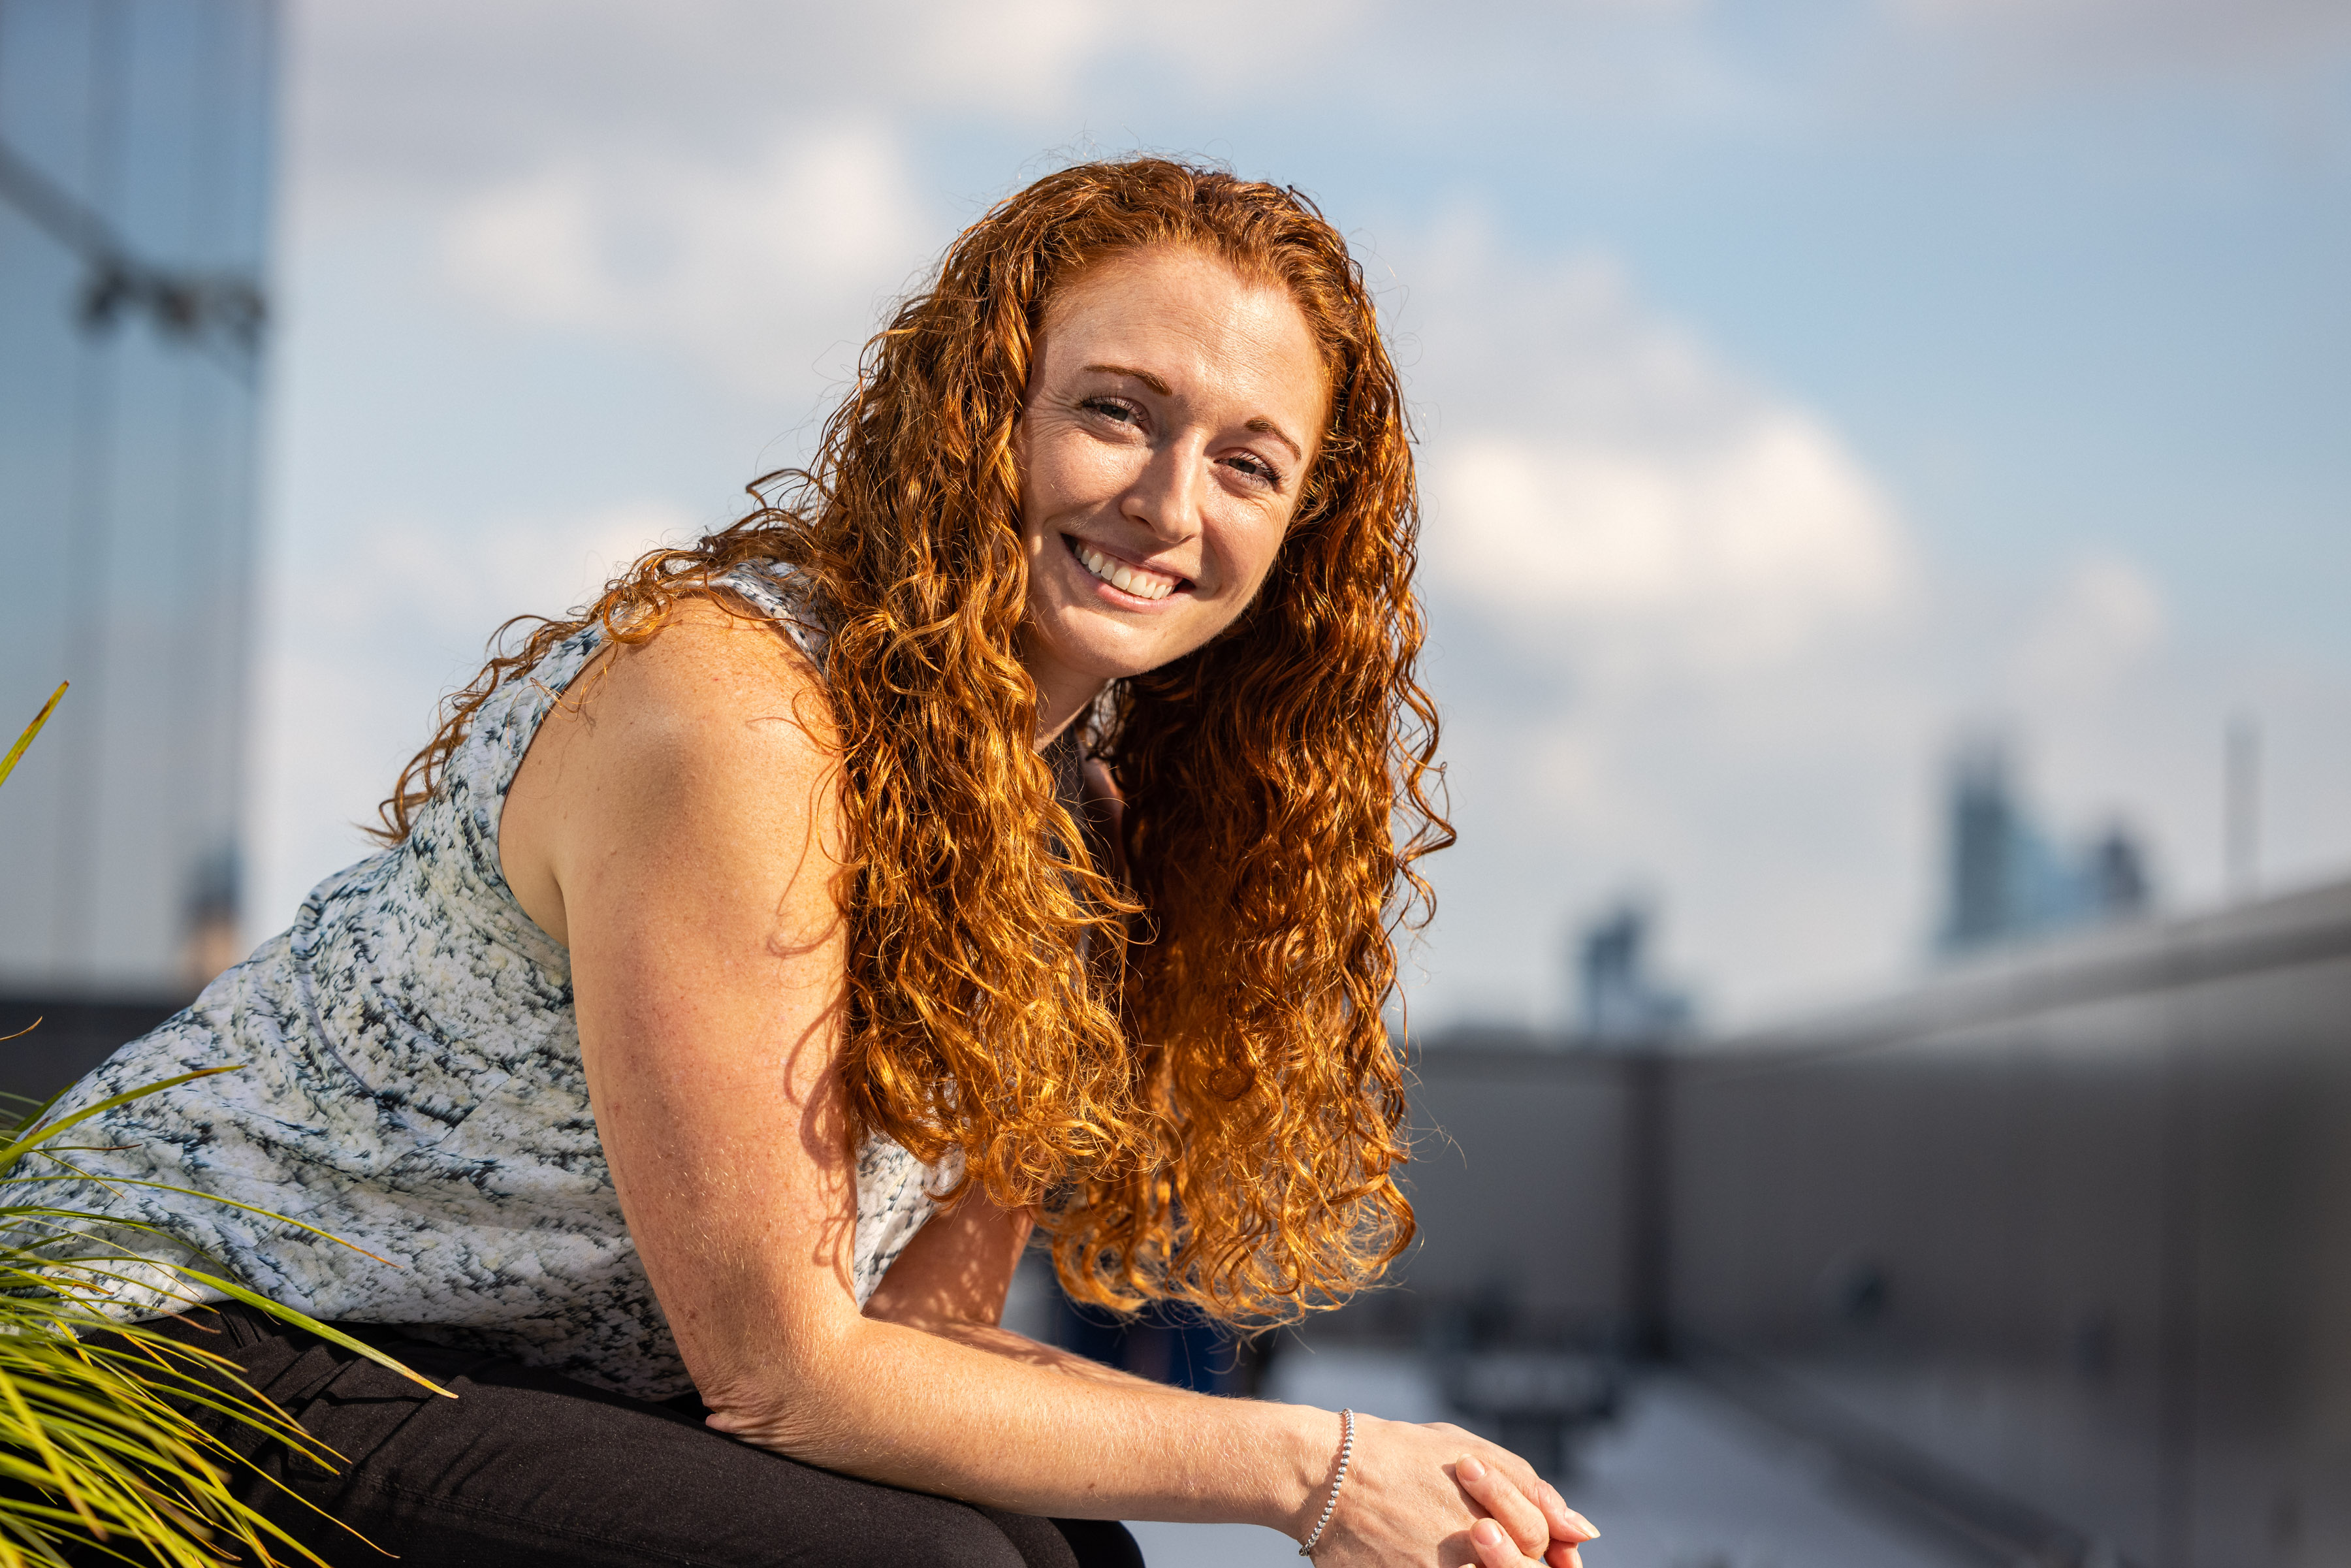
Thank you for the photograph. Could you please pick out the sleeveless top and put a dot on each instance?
(409, 1081)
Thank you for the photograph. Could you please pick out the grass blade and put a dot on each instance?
(8, 763)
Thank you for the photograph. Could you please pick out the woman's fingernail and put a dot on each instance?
(1591, 1530)
(1471, 1469)
(1486, 1532)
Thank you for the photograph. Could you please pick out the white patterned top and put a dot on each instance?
(409, 1079)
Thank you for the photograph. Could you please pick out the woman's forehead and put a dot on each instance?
(1193, 307)
(1141, 271)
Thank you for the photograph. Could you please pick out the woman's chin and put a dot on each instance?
(1105, 648)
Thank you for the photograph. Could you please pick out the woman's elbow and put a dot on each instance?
(793, 1399)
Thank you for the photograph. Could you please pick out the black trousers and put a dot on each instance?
(528, 1469)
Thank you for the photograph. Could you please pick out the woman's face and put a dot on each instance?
(1171, 415)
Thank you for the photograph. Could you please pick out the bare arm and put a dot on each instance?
(952, 1278)
(677, 825)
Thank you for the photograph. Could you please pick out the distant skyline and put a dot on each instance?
(134, 216)
(1799, 384)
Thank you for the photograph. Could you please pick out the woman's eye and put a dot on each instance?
(1110, 409)
(1255, 468)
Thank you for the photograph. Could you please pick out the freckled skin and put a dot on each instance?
(1170, 419)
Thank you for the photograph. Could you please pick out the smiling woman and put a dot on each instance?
(1159, 465)
(996, 831)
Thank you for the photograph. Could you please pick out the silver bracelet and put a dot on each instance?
(1346, 1452)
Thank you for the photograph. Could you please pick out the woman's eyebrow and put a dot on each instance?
(1261, 424)
(1145, 377)
(1265, 427)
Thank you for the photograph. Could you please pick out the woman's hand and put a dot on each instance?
(1498, 1547)
(1443, 1498)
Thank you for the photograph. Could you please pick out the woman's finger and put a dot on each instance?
(1494, 1547)
(1566, 1524)
(1563, 1555)
(1497, 1495)
(1563, 1522)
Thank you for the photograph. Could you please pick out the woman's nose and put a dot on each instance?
(1167, 496)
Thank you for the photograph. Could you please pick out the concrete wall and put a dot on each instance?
(1519, 1183)
(2059, 1241)
(2074, 1223)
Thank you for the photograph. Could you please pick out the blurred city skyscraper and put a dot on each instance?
(2007, 880)
(135, 186)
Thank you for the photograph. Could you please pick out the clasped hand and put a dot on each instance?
(1440, 1495)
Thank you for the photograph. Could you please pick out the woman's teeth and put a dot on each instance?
(1126, 579)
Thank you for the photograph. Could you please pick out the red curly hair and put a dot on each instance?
(1190, 1076)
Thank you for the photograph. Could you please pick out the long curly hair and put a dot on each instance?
(1189, 1075)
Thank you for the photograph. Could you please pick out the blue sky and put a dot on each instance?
(1799, 384)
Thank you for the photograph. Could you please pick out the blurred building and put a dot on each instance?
(2006, 878)
(135, 174)
(2042, 1254)
(1619, 999)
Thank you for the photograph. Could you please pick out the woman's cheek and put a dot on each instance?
(1089, 472)
(1258, 547)
(1049, 479)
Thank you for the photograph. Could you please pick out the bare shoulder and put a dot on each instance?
(709, 680)
(716, 728)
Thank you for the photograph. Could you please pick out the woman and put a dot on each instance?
(759, 958)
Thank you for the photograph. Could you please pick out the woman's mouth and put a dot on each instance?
(1140, 581)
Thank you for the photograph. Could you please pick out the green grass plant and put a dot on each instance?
(106, 1447)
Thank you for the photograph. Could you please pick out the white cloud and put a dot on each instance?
(1021, 59)
(729, 264)
(2188, 31)
(1993, 48)
(366, 637)
(1743, 550)
(1687, 645)
(1589, 461)
(433, 95)
(1677, 646)
(2103, 619)
(425, 99)
(545, 565)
